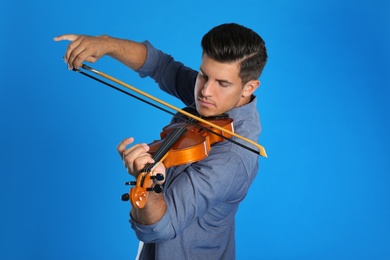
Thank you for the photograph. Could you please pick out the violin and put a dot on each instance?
(181, 143)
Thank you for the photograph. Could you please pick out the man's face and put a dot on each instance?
(218, 87)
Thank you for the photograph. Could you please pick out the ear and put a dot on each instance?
(250, 87)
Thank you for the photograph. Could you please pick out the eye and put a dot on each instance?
(223, 84)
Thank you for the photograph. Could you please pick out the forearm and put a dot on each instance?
(153, 211)
(132, 54)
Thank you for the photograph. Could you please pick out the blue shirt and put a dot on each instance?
(202, 198)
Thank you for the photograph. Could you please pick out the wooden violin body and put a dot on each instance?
(194, 145)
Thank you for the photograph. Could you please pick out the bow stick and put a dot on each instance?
(261, 151)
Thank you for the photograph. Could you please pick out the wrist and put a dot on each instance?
(111, 45)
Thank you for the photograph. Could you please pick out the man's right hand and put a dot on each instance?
(84, 48)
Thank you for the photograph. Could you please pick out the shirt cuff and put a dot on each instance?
(156, 232)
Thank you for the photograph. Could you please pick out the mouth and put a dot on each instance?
(205, 103)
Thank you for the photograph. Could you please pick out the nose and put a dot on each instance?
(207, 89)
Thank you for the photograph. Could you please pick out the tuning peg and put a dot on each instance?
(131, 183)
(156, 188)
(125, 197)
(157, 177)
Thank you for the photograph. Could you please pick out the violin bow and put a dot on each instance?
(261, 151)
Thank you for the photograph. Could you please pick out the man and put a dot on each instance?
(193, 218)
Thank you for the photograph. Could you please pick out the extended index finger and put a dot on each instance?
(68, 37)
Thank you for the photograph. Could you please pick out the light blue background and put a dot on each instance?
(323, 193)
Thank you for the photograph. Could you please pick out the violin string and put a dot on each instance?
(166, 145)
(189, 120)
(169, 141)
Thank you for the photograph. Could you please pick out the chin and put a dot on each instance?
(206, 113)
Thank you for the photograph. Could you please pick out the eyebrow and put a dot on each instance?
(219, 80)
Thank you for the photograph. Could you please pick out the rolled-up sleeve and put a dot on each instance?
(171, 76)
(151, 62)
(160, 231)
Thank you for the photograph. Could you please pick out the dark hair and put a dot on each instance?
(231, 43)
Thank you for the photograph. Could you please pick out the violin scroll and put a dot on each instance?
(145, 183)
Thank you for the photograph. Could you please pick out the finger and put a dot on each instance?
(68, 37)
(135, 151)
(136, 157)
(73, 45)
(77, 56)
(122, 145)
(84, 55)
(140, 162)
(135, 165)
(73, 51)
(83, 48)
